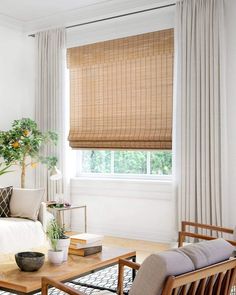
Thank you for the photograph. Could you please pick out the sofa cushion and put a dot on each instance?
(25, 203)
(18, 234)
(5, 196)
(208, 252)
(155, 268)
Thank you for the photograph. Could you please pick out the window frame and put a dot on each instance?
(112, 175)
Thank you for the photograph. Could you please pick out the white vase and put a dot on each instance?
(55, 257)
(63, 244)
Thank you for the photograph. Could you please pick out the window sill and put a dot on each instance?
(128, 178)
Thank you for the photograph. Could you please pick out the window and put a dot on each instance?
(121, 105)
(133, 163)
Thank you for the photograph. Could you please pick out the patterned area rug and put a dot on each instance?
(106, 278)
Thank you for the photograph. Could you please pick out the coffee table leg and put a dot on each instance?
(85, 218)
(133, 270)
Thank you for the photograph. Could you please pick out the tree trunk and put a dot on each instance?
(23, 173)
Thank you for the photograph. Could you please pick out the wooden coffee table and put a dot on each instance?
(19, 282)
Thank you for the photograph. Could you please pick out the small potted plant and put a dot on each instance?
(59, 243)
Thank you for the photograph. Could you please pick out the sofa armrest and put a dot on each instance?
(44, 215)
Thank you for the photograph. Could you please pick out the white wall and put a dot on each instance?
(138, 209)
(230, 18)
(16, 85)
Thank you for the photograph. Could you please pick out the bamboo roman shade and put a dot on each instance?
(121, 93)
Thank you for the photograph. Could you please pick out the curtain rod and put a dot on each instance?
(116, 16)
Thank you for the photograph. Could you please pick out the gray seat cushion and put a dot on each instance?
(208, 252)
(155, 268)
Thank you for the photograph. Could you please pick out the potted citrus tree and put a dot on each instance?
(59, 243)
(22, 144)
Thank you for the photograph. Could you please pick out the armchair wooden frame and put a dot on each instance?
(184, 233)
(47, 281)
(216, 279)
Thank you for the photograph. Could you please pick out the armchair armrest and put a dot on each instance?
(122, 264)
(46, 281)
(184, 233)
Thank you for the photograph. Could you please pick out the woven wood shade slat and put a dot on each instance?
(121, 93)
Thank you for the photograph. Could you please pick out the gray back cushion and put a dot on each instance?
(151, 276)
(208, 252)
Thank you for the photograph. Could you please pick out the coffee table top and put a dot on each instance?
(17, 281)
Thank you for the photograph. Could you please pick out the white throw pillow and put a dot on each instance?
(25, 203)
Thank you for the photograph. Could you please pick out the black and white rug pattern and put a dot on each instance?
(106, 278)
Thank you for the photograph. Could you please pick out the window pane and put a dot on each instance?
(161, 163)
(130, 162)
(96, 161)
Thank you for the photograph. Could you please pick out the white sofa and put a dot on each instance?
(23, 234)
(20, 234)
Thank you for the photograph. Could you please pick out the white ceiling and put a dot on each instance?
(31, 10)
(30, 16)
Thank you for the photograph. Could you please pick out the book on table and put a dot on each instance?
(85, 251)
(85, 238)
(82, 246)
(85, 244)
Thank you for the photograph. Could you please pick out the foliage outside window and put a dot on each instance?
(126, 162)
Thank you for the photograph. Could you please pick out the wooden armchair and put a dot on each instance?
(210, 228)
(191, 272)
(212, 280)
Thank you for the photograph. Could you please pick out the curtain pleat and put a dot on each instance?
(50, 101)
(200, 128)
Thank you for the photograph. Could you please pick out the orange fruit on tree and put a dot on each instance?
(34, 165)
(16, 144)
(26, 132)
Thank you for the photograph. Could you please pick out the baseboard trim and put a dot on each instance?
(159, 236)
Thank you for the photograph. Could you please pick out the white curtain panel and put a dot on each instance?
(50, 101)
(200, 130)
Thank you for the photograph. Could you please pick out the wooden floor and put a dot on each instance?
(143, 248)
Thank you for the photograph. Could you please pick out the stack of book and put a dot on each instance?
(85, 244)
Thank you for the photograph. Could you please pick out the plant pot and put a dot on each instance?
(55, 257)
(63, 244)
